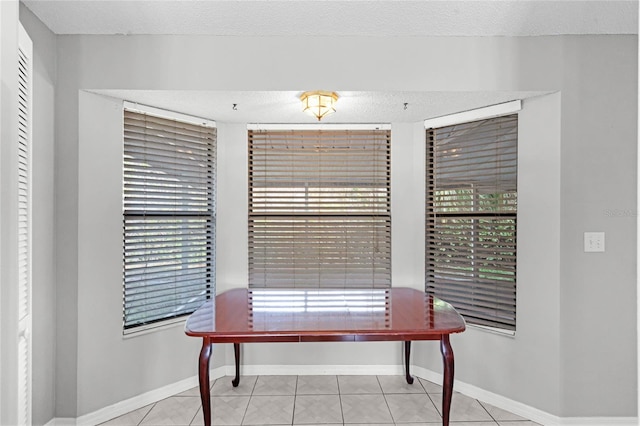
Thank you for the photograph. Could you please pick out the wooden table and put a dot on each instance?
(395, 314)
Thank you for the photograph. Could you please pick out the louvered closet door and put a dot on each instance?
(24, 229)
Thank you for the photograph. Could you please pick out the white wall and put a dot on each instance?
(121, 367)
(598, 189)
(525, 364)
(232, 235)
(138, 364)
(561, 307)
(408, 185)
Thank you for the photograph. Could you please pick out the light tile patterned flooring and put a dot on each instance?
(321, 400)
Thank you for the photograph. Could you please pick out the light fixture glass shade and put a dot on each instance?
(319, 103)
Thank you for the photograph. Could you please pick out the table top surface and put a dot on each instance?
(254, 315)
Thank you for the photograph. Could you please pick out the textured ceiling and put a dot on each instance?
(332, 18)
(343, 18)
(285, 106)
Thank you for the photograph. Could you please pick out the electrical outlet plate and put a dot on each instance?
(593, 242)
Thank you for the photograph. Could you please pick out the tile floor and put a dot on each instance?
(320, 400)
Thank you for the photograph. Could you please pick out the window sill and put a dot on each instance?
(493, 330)
(152, 328)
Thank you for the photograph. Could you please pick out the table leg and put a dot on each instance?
(203, 374)
(236, 352)
(407, 355)
(447, 383)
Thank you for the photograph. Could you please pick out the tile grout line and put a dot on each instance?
(194, 416)
(436, 407)
(485, 409)
(295, 398)
(340, 399)
(384, 395)
(145, 416)
(248, 402)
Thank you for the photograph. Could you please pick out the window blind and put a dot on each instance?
(471, 218)
(24, 107)
(319, 208)
(169, 217)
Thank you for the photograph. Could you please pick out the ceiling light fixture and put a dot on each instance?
(319, 103)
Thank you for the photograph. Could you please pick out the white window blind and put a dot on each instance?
(169, 217)
(471, 219)
(24, 227)
(319, 208)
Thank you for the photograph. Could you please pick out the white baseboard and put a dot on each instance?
(61, 421)
(599, 421)
(496, 400)
(523, 410)
(139, 401)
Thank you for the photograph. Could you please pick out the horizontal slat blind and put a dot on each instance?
(319, 208)
(471, 219)
(169, 217)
